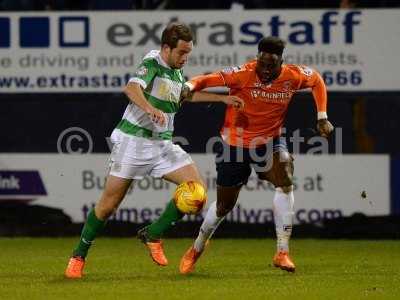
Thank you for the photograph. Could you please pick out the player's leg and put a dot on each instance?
(233, 171)
(114, 192)
(226, 200)
(171, 214)
(175, 166)
(123, 168)
(230, 178)
(281, 176)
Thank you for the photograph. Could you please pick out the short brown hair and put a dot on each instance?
(174, 32)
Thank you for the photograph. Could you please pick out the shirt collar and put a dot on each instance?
(162, 62)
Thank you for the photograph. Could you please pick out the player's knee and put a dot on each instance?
(267, 176)
(285, 189)
(284, 177)
(284, 157)
(190, 197)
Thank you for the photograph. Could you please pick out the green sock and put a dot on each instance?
(92, 228)
(165, 222)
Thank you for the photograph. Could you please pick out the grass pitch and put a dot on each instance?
(230, 269)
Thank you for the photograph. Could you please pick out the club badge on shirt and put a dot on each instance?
(142, 71)
(231, 69)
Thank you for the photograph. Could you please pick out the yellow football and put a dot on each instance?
(190, 197)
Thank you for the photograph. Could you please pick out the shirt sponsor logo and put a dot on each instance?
(277, 97)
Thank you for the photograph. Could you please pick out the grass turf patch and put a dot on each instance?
(230, 269)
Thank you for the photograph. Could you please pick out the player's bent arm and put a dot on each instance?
(321, 99)
(135, 94)
(320, 96)
(309, 78)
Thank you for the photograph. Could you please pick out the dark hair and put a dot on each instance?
(271, 44)
(175, 32)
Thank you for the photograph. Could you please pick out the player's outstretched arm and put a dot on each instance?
(135, 94)
(195, 96)
(192, 90)
(212, 97)
(201, 82)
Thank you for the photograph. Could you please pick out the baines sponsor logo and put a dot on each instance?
(21, 185)
(270, 96)
(36, 32)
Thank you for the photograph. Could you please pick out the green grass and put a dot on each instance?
(230, 269)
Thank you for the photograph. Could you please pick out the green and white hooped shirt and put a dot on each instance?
(162, 87)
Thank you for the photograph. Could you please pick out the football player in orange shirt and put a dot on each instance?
(251, 139)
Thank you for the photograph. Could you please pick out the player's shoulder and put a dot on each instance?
(250, 66)
(152, 59)
(240, 70)
(298, 70)
(149, 64)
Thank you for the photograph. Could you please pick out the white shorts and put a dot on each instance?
(135, 157)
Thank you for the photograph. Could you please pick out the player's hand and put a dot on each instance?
(157, 116)
(324, 127)
(235, 101)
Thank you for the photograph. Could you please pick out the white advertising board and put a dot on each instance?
(354, 50)
(326, 186)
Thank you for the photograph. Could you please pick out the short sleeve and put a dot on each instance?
(307, 76)
(145, 72)
(232, 76)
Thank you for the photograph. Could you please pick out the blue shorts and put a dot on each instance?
(234, 164)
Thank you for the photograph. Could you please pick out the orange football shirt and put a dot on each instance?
(266, 105)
